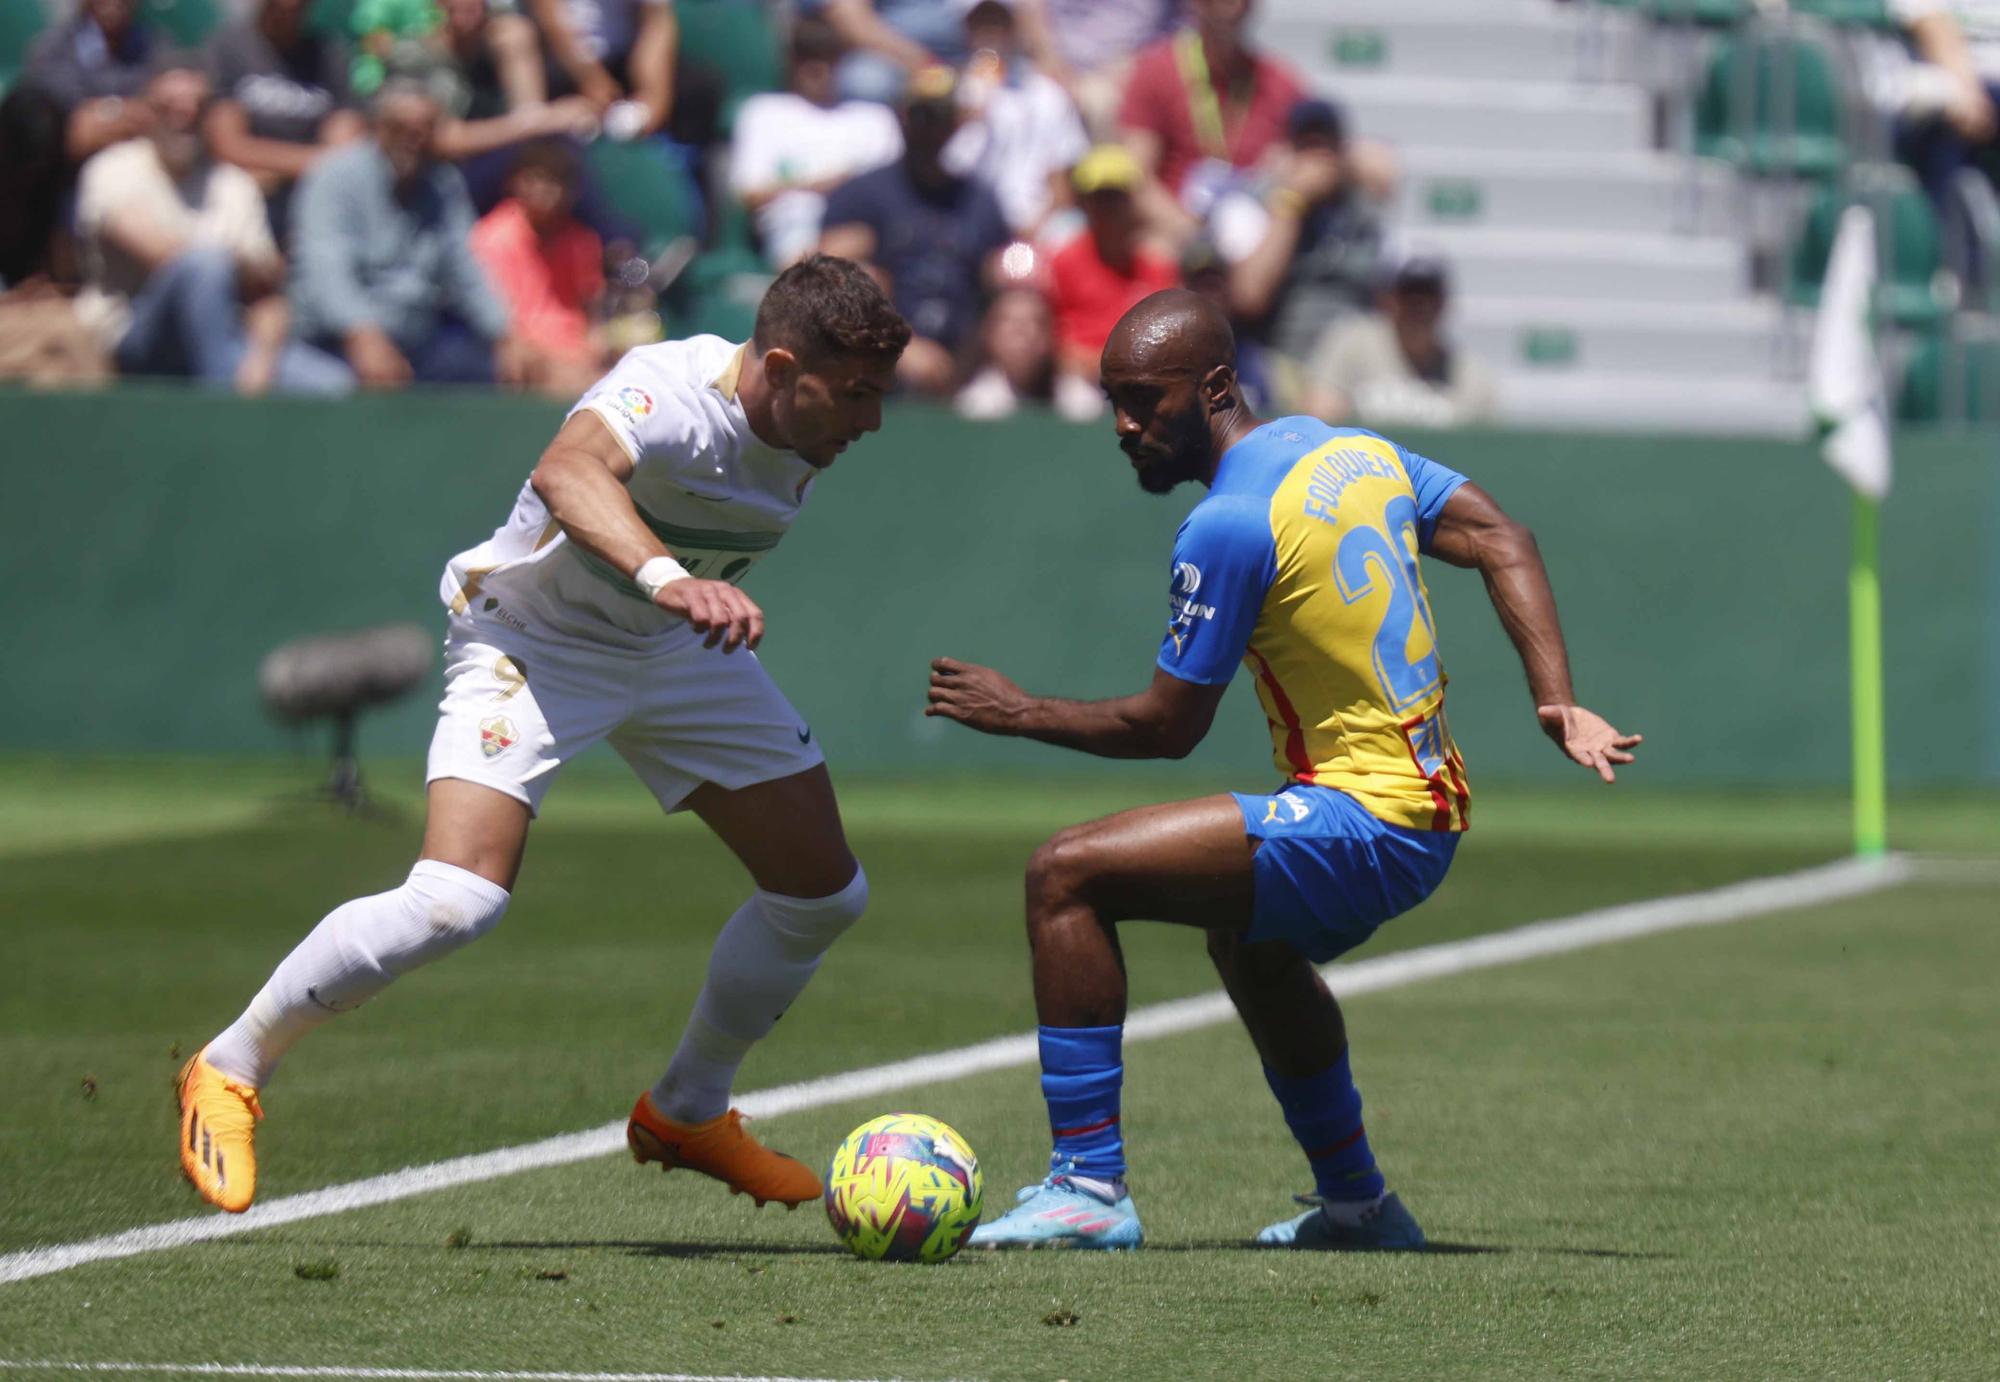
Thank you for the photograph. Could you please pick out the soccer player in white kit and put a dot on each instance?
(607, 608)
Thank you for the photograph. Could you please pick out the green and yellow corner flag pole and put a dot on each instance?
(1848, 398)
(1864, 641)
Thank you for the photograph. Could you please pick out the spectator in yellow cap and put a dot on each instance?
(1101, 274)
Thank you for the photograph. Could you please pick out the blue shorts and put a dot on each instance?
(1328, 873)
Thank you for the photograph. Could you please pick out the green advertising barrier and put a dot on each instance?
(155, 544)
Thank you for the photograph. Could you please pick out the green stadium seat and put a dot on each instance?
(1848, 14)
(718, 294)
(1715, 13)
(736, 40)
(20, 22)
(1771, 103)
(1950, 381)
(646, 189)
(187, 22)
(1909, 256)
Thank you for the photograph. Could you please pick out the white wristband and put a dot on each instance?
(657, 574)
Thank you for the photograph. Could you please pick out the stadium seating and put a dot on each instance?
(1911, 291)
(643, 185)
(1605, 279)
(1952, 378)
(1771, 103)
(737, 41)
(20, 21)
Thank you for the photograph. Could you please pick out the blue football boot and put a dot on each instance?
(1057, 1213)
(1388, 1227)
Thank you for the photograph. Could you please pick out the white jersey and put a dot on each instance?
(714, 494)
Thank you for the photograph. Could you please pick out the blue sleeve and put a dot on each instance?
(1224, 563)
(1433, 484)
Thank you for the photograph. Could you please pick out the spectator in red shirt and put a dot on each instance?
(1201, 104)
(549, 269)
(1100, 275)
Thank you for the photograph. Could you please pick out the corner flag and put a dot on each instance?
(1845, 388)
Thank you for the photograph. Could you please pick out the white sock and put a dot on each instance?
(1109, 1191)
(761, 963)
(1349, 1213)
(351, 956)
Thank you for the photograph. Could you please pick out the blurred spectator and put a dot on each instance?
(1946, 97)
(281, 97)
(1308, 250)
(1201, 105)
(92, 64)
(1100, 275)
(1398, 369)
(1205, 271)
(1087, 46)
(793, 147)
(1016, 358)
(482, 65)
(926, 232)
(385, 272)
(42, 341)
(549, 269)
(182, 271)
(34, 183)
(497, 55)
(890, 41)
(624, 57)
(1022, 134)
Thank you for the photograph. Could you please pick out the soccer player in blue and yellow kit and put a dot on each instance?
(1301, 564)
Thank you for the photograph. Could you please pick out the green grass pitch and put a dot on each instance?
(1760, 1150)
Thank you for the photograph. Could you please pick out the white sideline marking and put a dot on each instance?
(1733, 902)
(398, 1374)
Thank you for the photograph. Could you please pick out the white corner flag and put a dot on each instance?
(1844, 384)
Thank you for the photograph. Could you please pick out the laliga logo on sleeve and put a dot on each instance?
(635, 403)
(1187, 580)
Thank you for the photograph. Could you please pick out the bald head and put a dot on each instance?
(1172, 332)
(1169, 370)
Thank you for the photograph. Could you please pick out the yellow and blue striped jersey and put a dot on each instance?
(1302, 564)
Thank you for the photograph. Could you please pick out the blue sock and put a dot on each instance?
(1324, 1114)
(1082, 1073)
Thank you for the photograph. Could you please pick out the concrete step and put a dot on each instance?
(1648, 192)
(1706, 405)
(1486, 114)
(1553, 336)
(1430, 44)
(1573, 265)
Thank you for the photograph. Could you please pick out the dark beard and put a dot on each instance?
(1187, 454)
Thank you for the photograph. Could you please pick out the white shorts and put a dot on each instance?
(517, 707)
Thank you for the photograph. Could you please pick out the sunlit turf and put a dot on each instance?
(1758, 1151)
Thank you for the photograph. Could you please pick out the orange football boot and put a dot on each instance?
(720, 1148)
(219, 1119)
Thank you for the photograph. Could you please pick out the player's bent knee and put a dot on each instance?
(1061, 872)
(809, 925)
(454, 905)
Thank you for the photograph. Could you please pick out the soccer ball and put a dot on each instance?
(904, 1188)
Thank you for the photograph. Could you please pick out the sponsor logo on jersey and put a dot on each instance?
(634, 403)
(1186, 609)
(496, 735)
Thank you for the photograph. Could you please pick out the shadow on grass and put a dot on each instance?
(642, 1248)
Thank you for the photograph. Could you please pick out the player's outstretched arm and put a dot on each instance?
(582, 478)
(1166, 720)
(1474, 532)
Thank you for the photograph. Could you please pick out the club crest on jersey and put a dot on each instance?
(496, 735)
(635, 403)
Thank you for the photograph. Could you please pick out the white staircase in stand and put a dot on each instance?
(1605, 281)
